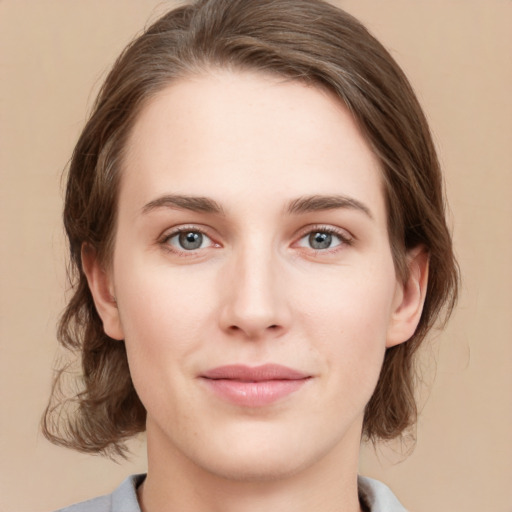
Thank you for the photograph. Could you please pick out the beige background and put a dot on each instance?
(53, 53)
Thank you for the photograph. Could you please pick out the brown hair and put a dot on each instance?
(307, 40)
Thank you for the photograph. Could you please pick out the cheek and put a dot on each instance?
(162, 325)
(162, 312)
(348, 317)
(350, 300)
(156, 297)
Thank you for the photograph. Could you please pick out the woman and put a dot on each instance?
(255, 216)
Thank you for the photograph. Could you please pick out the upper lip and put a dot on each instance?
(260, 373)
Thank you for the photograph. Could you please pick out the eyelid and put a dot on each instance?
(347, 239)
(344, 234)
(185, 228)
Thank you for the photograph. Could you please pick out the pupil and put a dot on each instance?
(191, 240)
(320, 240)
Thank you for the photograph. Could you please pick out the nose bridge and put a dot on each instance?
(255, 302)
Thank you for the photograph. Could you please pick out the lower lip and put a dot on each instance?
(254, 394)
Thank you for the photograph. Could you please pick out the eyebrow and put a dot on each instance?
(315, 203)
(300, 205)
(192, 203)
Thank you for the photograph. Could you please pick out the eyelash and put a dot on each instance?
(164, 241)
(345, 239)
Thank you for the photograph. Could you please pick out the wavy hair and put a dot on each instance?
(306, 40)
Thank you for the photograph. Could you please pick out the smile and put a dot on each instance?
(254, 386)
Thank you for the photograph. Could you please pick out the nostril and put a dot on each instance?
(235, 328)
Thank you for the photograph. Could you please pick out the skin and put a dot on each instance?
(254, 292)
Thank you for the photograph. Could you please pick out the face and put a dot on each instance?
(252, 274)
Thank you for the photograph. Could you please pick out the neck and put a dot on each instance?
(175, 482)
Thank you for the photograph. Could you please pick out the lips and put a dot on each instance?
(255, 373)
(253, 386)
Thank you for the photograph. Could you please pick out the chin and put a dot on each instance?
(252, 458)
(256, 469)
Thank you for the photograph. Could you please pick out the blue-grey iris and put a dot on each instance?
(191, 240)
(320, 240)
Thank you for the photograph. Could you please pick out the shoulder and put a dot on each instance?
(99, 504)
(123, 499)
(374, 494)
(377, 496)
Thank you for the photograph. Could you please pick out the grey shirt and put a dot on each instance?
(373, 494)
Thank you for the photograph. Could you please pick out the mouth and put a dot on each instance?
(256, 386)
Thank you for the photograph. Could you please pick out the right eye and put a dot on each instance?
(188, 240)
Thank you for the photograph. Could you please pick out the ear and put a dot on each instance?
(409, 298)
(102, 290)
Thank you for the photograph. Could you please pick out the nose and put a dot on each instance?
(254, 296)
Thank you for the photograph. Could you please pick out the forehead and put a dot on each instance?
(227, 134)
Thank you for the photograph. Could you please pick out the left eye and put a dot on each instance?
(320, 240)
(189, 240)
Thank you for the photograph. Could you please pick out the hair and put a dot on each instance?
(306, 40)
